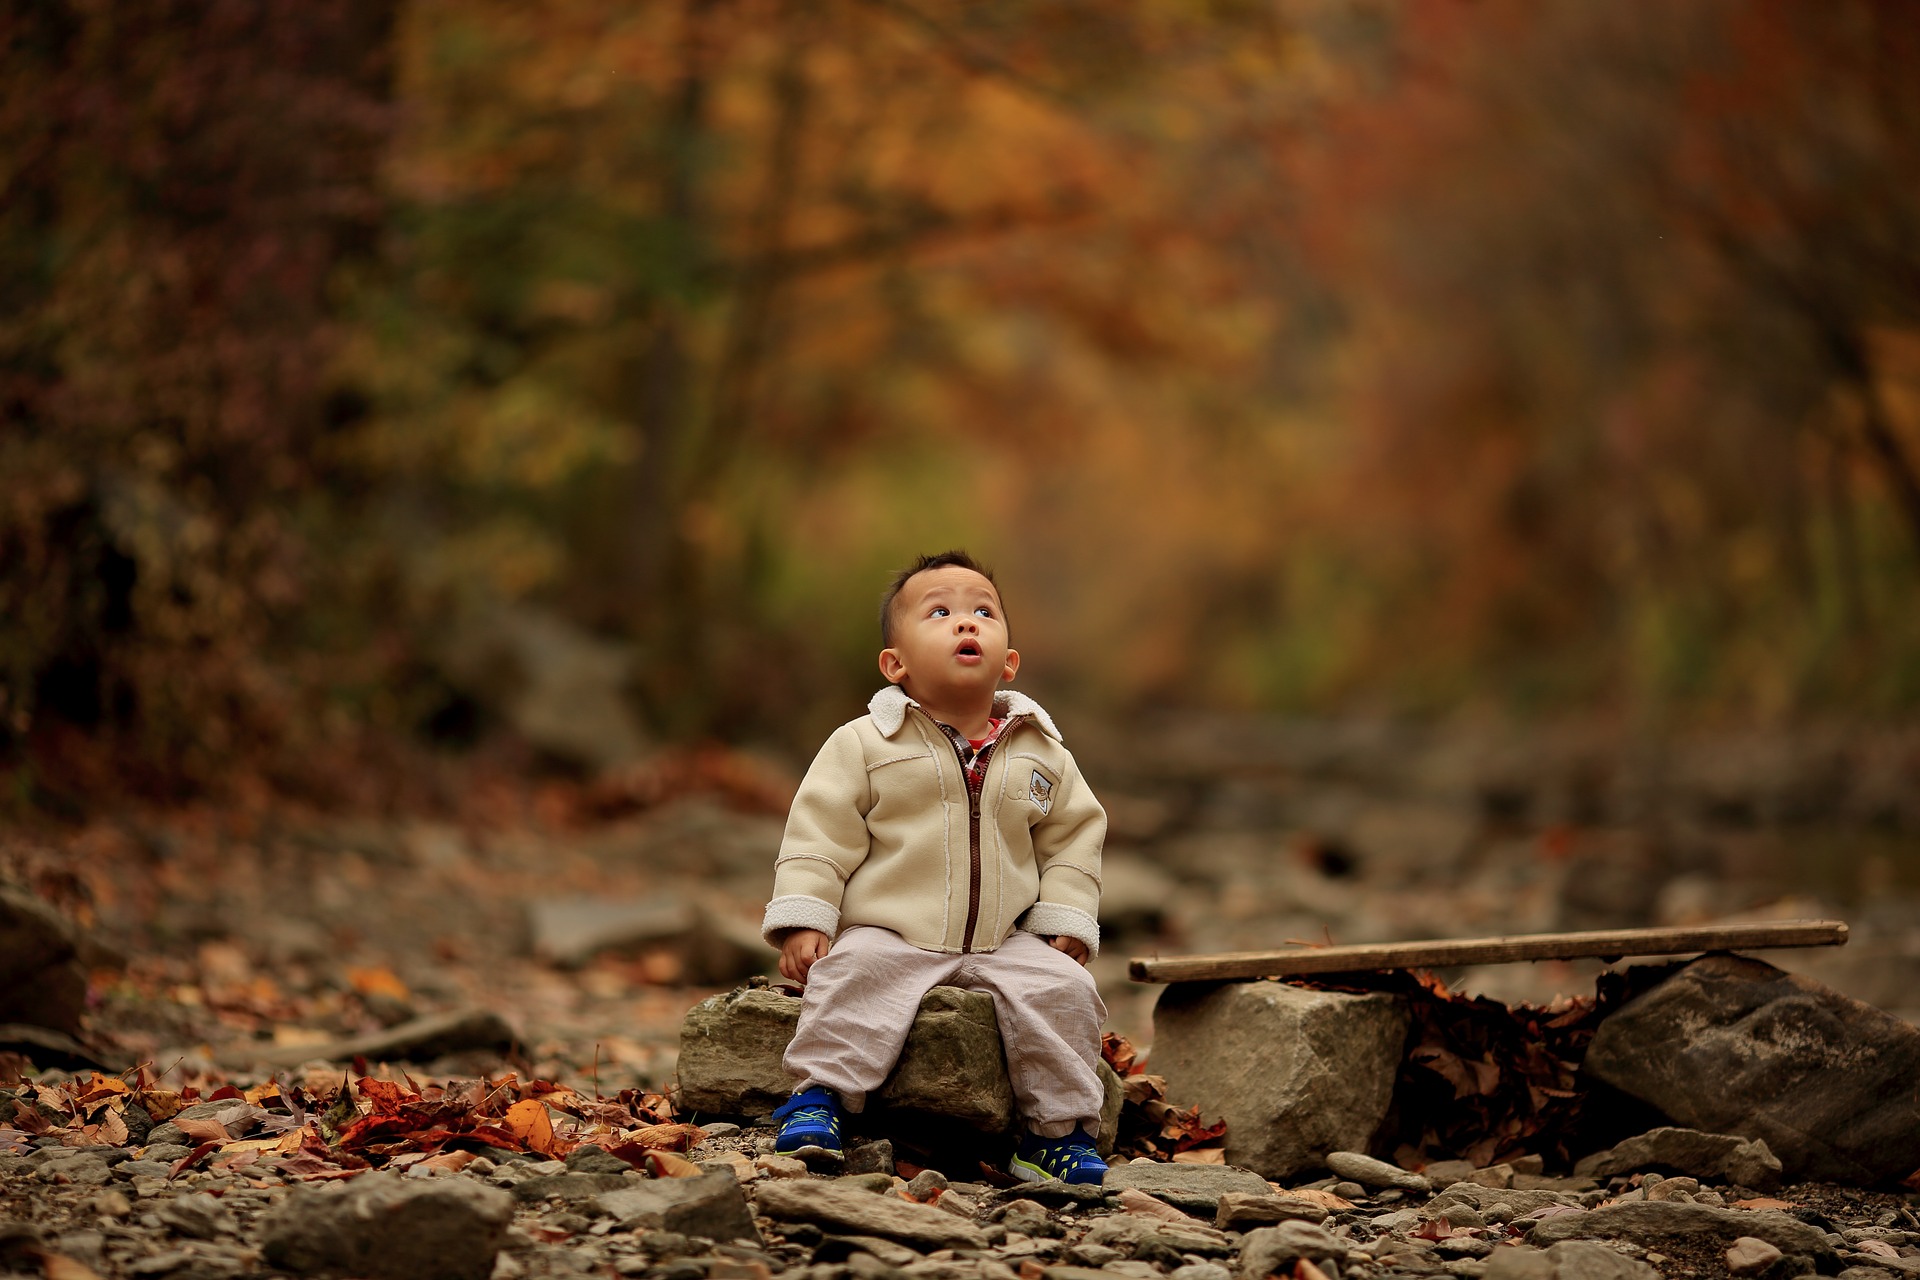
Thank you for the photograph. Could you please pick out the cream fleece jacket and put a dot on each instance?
(882, 832)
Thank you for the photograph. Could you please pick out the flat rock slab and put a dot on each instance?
(953, 1067)
(1718, 1156)
(1732, 1045)
(1193, 1188)
(382, 1227)
(1677, 1222)
(711, 1205)
(1568, 1260)
(1294, 1073)
(849, 1209)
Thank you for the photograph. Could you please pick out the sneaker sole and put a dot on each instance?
(812, 1155)
(1026, 1172)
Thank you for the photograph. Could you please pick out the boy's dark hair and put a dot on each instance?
(956, 558)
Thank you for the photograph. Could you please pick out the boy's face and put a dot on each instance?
(949, 637)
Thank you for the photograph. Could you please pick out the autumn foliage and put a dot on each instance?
(1296, 356)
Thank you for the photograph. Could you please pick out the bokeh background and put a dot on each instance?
(1461, 451)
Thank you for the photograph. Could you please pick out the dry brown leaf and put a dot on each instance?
(1303, 1269)
(1133, 1200)
(378, 981)
(1325, 1199)
(449, 1161)
(665, 1164)
(1762, 1202)
(58, 1266)
(204, 1129)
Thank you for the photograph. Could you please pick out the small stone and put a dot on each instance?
(1748, 1256)
(1462, 1215)
(589, 1158)
(1239, 1211)
(1200, 1271)
(1349, 1190)
(166, 1152)
(1497, 1176)
(711, 1205)
(1028, 1218)
(1369, 1172)
(1268, 1250)
(110, 1204)
(1094, 1255)
(781, 1166)
(1522, 1262)
(198, 1216)
(925, 1183)
(959, 1205)
(131, 1169)
(1591, 1260)
(719, 1129)
(871, 1157)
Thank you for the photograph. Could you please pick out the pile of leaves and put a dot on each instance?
(317, 1134)
(1150, 1126)
(1485, 1082)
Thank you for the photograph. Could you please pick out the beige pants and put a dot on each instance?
(862, 996)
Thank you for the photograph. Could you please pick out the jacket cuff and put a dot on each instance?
(1054, 919)
(799, 911)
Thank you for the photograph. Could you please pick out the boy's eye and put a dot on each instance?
(984, 612)
(939, 611)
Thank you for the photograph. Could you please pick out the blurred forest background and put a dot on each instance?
(367, 366)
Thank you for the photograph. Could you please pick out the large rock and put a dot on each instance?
(1732, 1045)
(1715, 1156)
(42, 982)
(711, 1205)
(952, 1068)
(1295, 1074)
(383, 1228)
(1273, 1250)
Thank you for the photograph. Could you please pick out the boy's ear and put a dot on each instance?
(892, 666)
(1013, 664)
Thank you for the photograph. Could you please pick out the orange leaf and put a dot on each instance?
(378, 981)
(1761, 1202)
(665, 1164)
(1201, 1155)
(528, 1121)
(204, 1129)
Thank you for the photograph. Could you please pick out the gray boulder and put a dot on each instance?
(42, 981)
(952, 1068)
(381, 1227)
(1714, 1156)
(1296, 1074)
(1591, 1260)
(711, 1205)
(1732, 1045)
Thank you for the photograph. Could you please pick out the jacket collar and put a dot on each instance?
(888, 709)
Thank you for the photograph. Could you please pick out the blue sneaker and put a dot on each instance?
(1070, 1159)
(809, 1125)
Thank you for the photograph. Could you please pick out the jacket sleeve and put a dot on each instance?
(1067, 844)
(825, 840)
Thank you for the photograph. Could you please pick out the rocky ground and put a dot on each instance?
(562, 931)
(743, 1213)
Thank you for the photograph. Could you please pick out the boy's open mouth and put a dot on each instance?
(967, 649)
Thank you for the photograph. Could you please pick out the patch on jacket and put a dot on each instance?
(1041, 792)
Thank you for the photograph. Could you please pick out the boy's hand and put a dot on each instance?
(1072, 946)
(798, 951)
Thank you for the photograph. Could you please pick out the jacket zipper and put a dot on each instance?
(985, 756)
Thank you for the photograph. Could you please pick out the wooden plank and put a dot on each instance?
(1600, 944)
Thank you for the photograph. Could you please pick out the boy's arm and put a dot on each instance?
(1067, 844)
(826, 838)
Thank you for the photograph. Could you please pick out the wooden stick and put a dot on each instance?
(1600, 944)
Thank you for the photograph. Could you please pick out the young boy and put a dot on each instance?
(946, 837)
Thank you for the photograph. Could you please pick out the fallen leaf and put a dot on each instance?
(204, 1129)
(449, 1161)
(1878, 1248)
(665, 1164)
(1133, 1200)
(378, 981)
(1762, 1202)
(1032, 1269)
(528, 1121)
(192, 1158)
(58, 1266)
(1434, 1229)
(1303, 1269)
(1201, 1155)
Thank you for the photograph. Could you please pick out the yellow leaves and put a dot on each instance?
(528, 1121)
